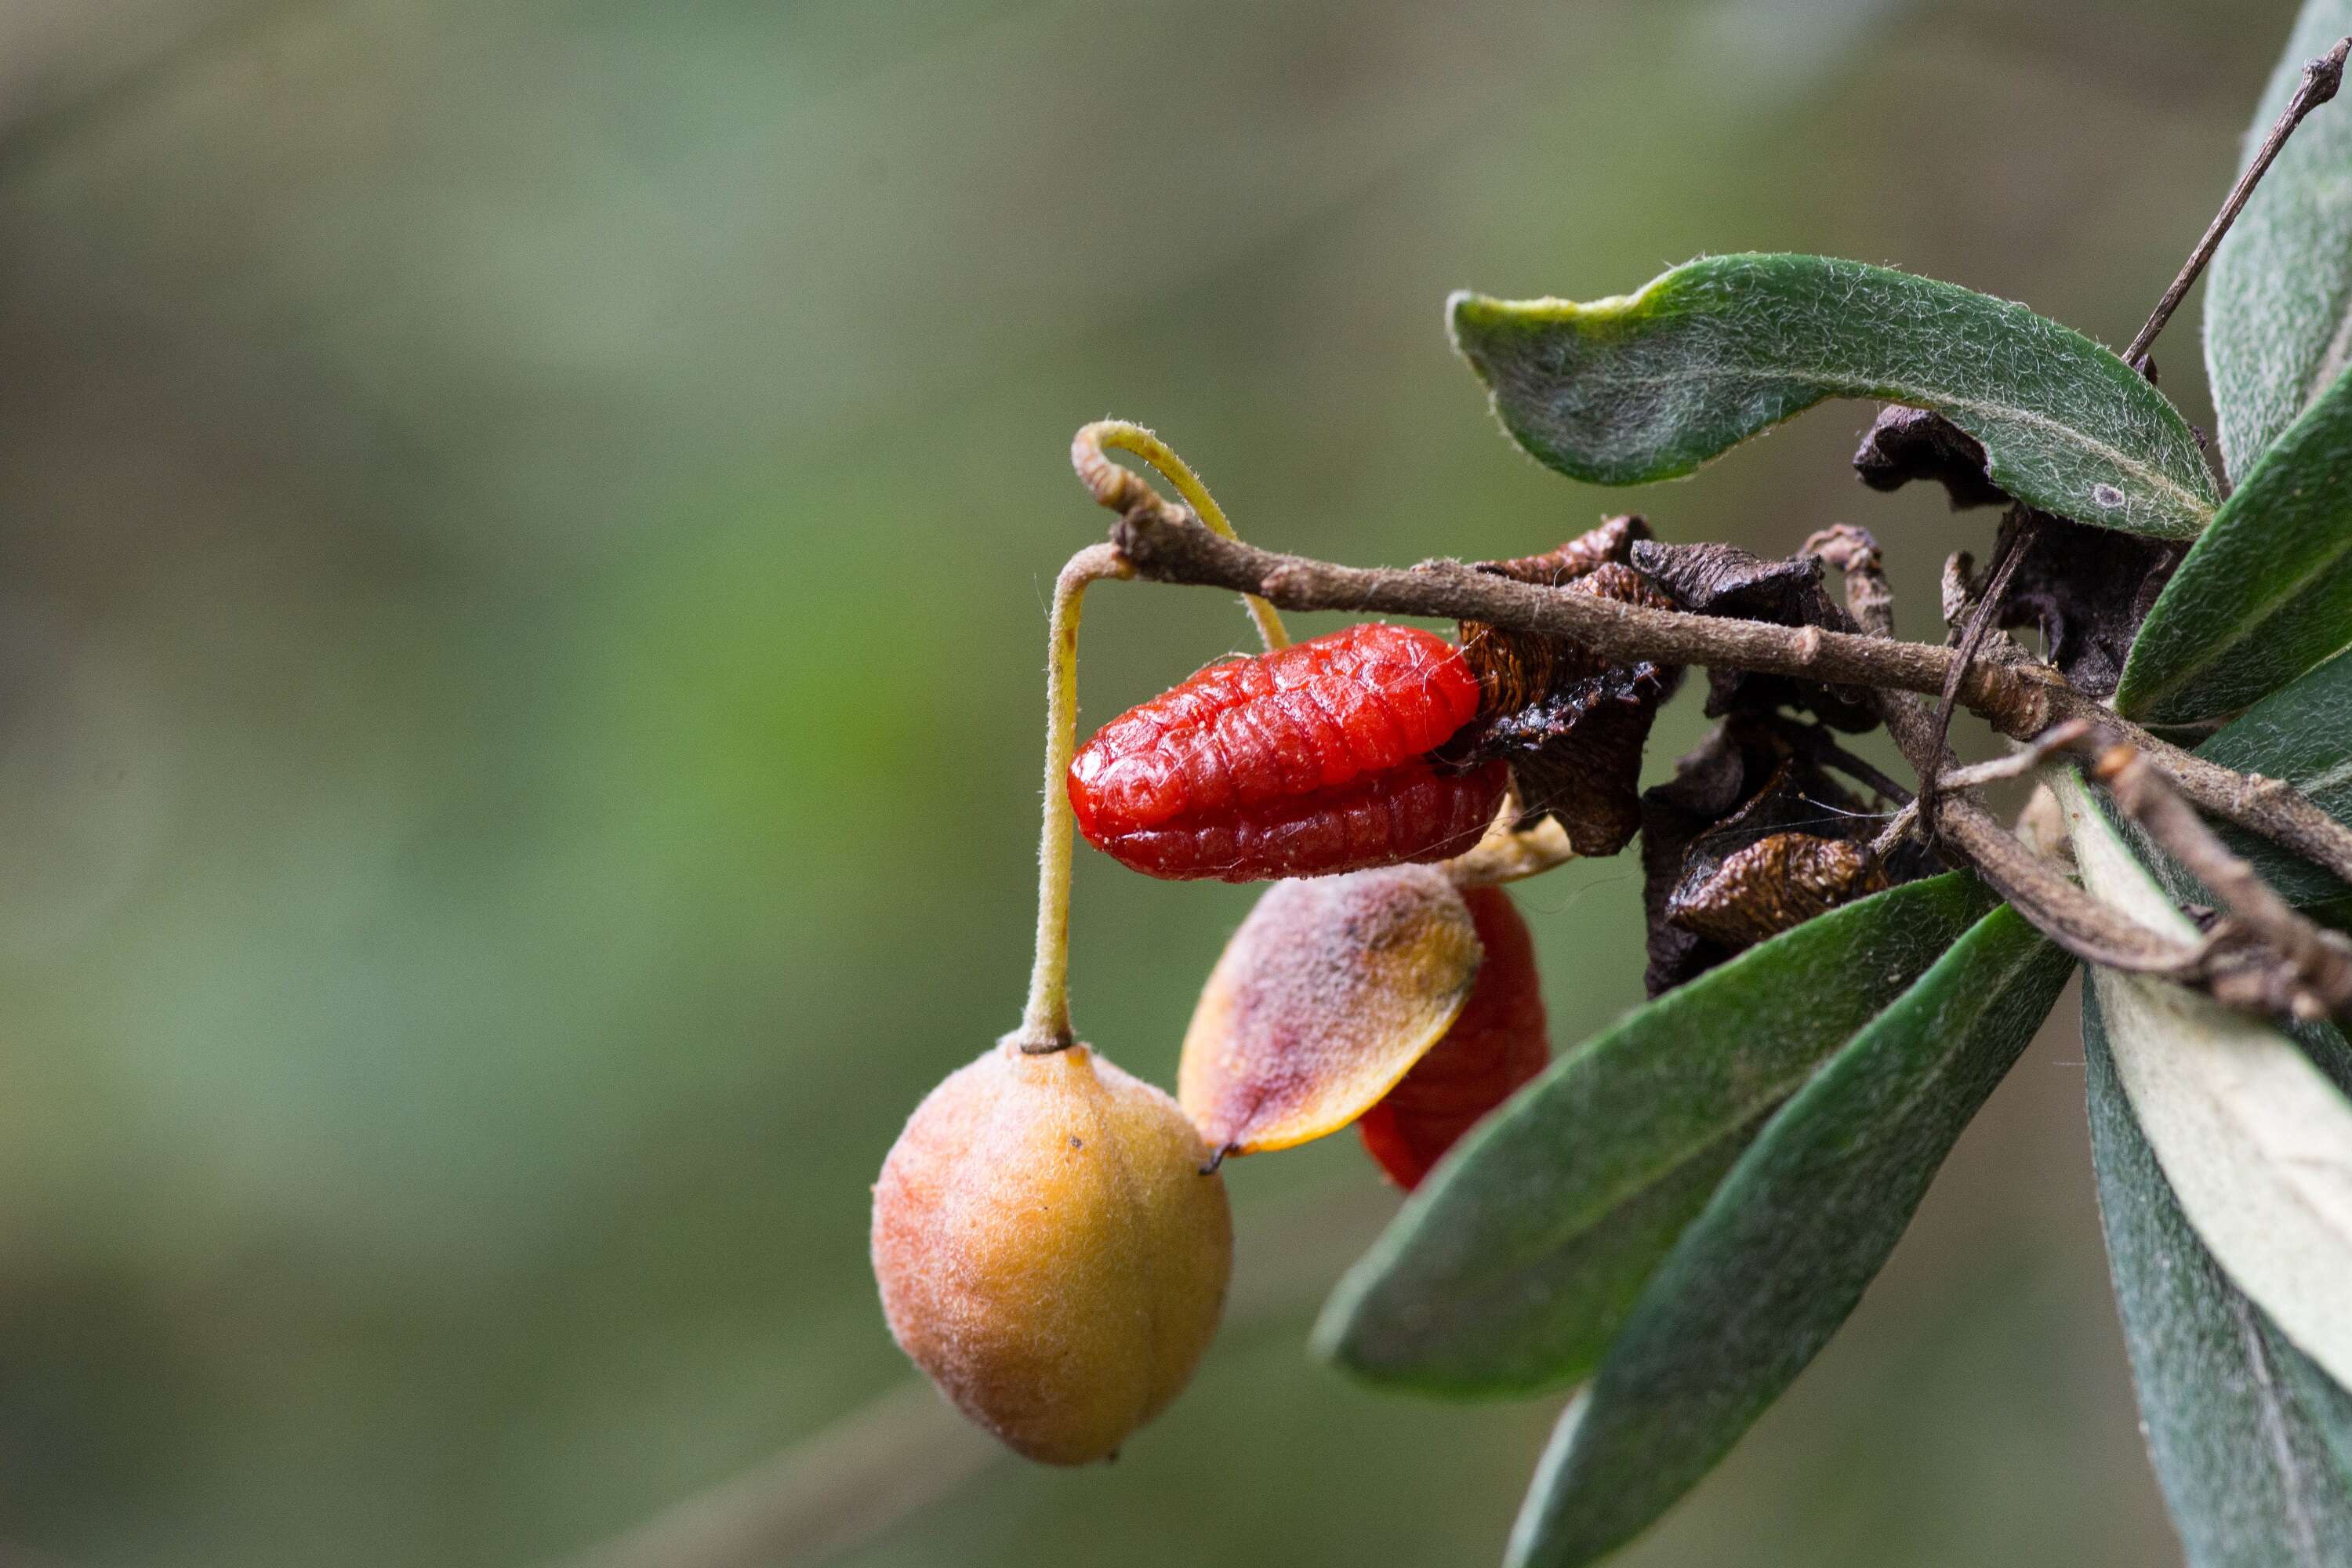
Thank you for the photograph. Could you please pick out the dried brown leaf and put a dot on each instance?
(1906, 444)
(1571, 725)
(1775, 884)
(1724, 580)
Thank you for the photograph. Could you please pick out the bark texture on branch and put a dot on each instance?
(1174, 548)
(2022, 700)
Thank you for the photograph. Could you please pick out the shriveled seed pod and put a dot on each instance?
(1302, 763)
(1325, 996)
(1774, 884)
(1049, 1249)
(1498, 1043)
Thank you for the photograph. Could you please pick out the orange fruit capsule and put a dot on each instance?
(1050, 1249)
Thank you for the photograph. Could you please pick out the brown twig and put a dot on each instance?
(2298, 968)
(2040, 891)
(2021, 699)
(1898, 827)
(2271, 808)
(2320, 78)
(2023, 761)
(2070, 917)
(1177, 550)
(2293, 966)
(1979, 626)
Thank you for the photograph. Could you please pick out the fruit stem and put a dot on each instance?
(1114, 488)
(1045, 1021)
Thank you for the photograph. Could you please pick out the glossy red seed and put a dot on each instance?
(1406, 815)
(1299, 763)
(1498, 1043)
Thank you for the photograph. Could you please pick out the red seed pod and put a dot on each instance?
(1300, 762)
(1498, 1043)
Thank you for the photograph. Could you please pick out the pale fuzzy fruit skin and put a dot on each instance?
(1049, 1250)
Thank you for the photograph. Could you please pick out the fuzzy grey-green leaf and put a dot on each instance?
(1649, 385)
(2266, 593)
(1765, 1274)
(2278, 301)
(2246, 1434)
(1509, 1268)
(2251, 1134)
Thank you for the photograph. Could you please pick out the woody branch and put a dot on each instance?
(1163, 544)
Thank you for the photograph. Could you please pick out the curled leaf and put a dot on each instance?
(1906, 444)
(1610, 540)
(1649, 385)
(1724, 580)
(1713, 882)
(1775, 884)
(2084, 590)
(1577, 756)
(1328, 995)
(1571, 725)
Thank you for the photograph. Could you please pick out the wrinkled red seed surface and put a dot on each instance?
(1408, 814)
(1300, 762)
(1498, 1043)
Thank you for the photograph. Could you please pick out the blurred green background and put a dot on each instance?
(523, 536)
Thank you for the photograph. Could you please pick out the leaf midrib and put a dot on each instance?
(2266, 1401)
(2252, 620)
(1591, 1216)
(2331, 361)
(2286, 1183)
(1930, 1077)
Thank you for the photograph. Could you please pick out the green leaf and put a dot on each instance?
(2248, 1436)
(2302, 734)
(1782, 1252)
(2278, 301)
(2266, 593)
(2324, 1402)
(1649, 385)
(1509, 1268)
(2254, 1139)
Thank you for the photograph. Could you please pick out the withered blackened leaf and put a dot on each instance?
(1571, 725)
(1724, 859)
(1724, 580)
(1611, 539)
(1517, 669)
(2087, 590)
(1577, 753)
(1907, 444)
(1708, 787)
